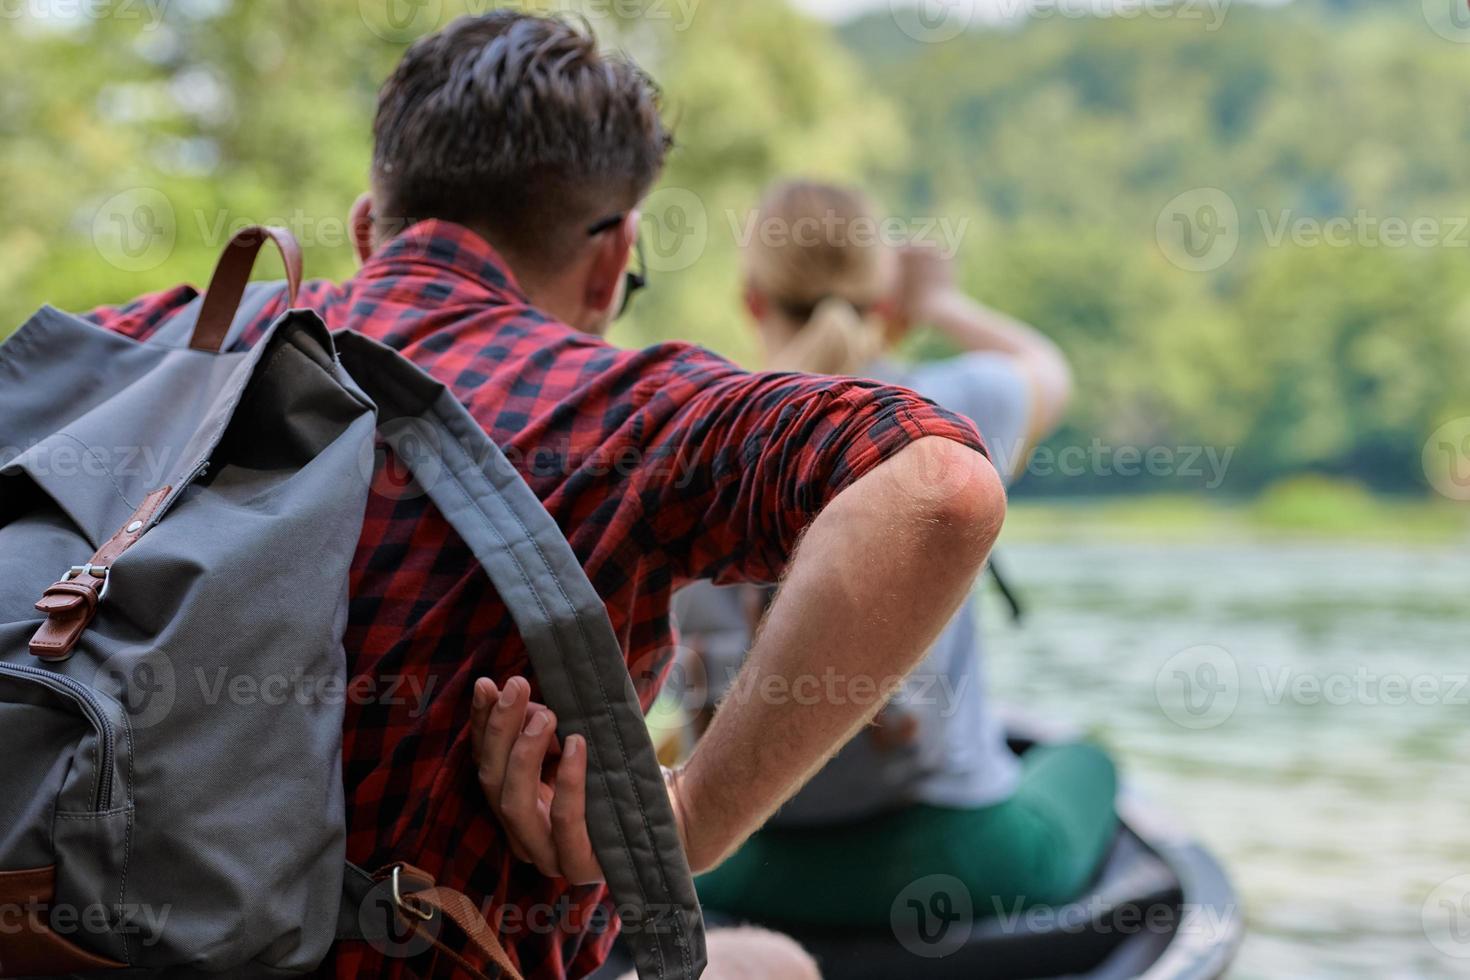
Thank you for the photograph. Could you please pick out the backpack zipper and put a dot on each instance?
(95, 713)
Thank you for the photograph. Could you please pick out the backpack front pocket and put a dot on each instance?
(61, 741)
(64, 819)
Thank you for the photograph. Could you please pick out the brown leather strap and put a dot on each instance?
(227, 285)
(28, 946)
(71, 603)
(423, 898)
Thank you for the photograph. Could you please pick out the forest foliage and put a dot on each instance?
(1250, 232)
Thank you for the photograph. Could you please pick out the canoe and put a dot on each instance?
(1162, 908)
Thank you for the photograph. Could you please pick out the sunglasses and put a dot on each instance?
(637, 276)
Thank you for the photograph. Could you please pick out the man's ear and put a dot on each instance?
(612, 251)
(360, 226)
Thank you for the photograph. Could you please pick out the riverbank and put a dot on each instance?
(1305, 509)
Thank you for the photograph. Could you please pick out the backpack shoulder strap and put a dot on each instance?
(578, 661)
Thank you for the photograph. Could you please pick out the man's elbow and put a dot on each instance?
(964, 502)
(977, 510)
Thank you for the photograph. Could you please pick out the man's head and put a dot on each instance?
(516, 127)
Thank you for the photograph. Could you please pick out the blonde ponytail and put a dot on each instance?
(820, 268)
(836, 340)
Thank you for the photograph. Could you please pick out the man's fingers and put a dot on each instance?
(569, 816)
(485, 696)
(532, 710)
(521, 806)
(521, 854)
(502, 727)
(493, 733)
(511, 736)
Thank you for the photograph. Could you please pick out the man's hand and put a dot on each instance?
(546, 822)
(541, 805)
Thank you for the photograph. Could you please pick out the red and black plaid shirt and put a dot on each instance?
(661, 466)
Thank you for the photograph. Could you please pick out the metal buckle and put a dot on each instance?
(403, 903)
(104, 572)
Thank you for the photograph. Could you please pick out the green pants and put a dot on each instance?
(1041, 846)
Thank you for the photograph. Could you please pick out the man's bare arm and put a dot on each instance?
(876, 578)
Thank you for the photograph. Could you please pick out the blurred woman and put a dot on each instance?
(931, 787)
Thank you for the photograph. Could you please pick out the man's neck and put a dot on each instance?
(558, 295)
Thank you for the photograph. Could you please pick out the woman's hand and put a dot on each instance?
(541, 806)
(924, 276)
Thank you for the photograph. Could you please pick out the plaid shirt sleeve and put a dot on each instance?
(140, 318)
(753, 458)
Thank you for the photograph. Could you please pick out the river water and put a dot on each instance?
(1303, 707)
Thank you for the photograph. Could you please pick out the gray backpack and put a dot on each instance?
(176, 529)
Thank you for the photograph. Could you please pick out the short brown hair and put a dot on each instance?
(517, 126)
